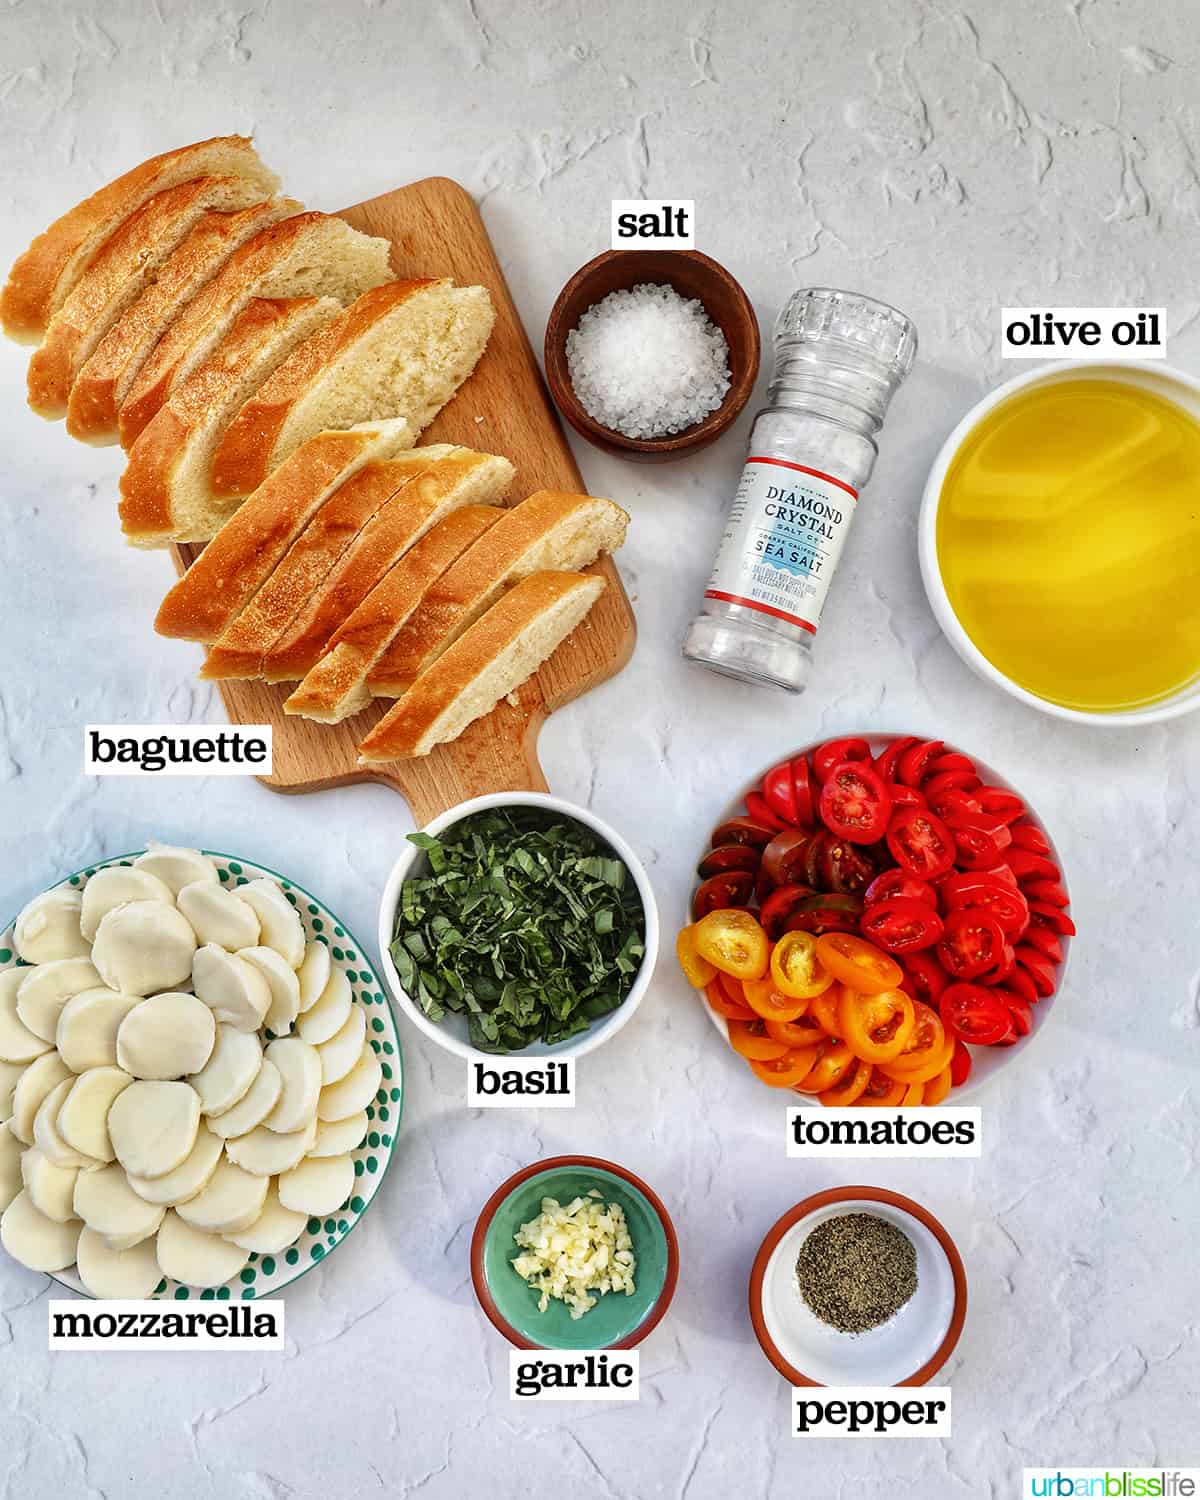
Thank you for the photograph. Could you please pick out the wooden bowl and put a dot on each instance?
(693, 276)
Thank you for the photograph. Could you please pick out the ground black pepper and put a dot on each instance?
(855, 1271)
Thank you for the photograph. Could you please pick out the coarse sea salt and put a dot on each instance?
(648, 362)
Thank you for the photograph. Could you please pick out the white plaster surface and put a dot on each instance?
(950, 159)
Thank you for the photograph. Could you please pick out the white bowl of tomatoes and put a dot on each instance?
(900, 889)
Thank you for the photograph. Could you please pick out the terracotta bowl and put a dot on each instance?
(693, 276)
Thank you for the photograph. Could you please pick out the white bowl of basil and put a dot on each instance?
(518, 923)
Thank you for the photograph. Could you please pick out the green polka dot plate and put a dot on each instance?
(267, 1275)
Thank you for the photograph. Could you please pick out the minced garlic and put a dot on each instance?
(573, 1251)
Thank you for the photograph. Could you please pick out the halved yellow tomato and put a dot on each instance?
(696, 970)
(881, 1091)
(834, 1061)
(733, 942)
(804, 1031)
(913, 1094)
(766, 999)
(786, 1071)
(922, 1072)
(876, 1027)
(937, 1088)
(732, 1010)
(750, 1039)
(796, 968)
(824, 1010)
(848, 1087)
(858, 963)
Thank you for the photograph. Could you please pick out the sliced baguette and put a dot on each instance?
(106, 379)
(464, 478)
(487, 662)
(121, 269)
(309, 255)
(306, 565)
(336, 686)
(552, 529)
(400, 350)
(244, 553)
(164, 490)
(44, 276)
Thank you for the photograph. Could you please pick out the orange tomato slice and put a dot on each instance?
(833, 1062)
(795, 967)
(925, 1071)
(696, 970)
(848, 1088)
(913, 1094)
(876, 1027)
(733, 942)
(881, 1091)
(937, 1088)
(750, 1039)
(858, 963)
(768, 1001)
(785, 1072)
(824, 1010)
(715, 994)
(804, 1031)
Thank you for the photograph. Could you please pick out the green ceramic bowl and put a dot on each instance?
(616, 1321)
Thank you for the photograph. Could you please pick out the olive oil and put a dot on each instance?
(1068, 539)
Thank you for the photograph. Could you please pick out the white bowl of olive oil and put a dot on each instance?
(1059, 540)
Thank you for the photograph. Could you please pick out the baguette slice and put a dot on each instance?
(305, 567)
(106, 379)
(400, 350)
(125, 264)
(551, 529)
(44, 276)
(244, 553)
(463, 478)
(164, 489)
(308, 255)
(487, 662)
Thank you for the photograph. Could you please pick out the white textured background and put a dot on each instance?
(948, 160)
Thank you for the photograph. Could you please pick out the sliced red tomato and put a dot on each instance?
(906, 796)
(850, 868)
(972, 943)
(833, 752)
(1002, 873)
(1042, 914)
(1007, 807)
(987, 893)
(1021, 981)
(1026, 836)
(951, 781)
(763, 885)
(901, 925)
(751, 831)
(960, 1064)
(926, 979)
(780, 794)
(973, 1014)
(899, 883)
(729, 857)
(786, 1072)
(750, 1039)
(915, 762)
(1046, 942)
(952, 760)
(954, 803)
(717, 997)
(920, 842)
(1052, 892)
(1002, 970)
(783, 860)
(981, 841)
(1039, 968)
(760, 812)
(1026, 865)
(1020, 1010)
(885, 761)
(720, 891)
(855, 803)
(779, 905)
(816, 871)
(802, 789)
(833, 913)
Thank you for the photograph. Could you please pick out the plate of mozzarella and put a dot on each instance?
(200, 1079)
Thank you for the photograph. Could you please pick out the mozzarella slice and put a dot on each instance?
(11, 1164)
(228, 1074)
(46, 989)
(17, 1043)
(189, 1178)
(153, 1126)
(217, 916)
(313, 974)
(327, 1017)
(253, 1107)
(48, 928)
(144, 946)
(83, 1117)
(283, 985)
(234, 990)
(119, 1275)
(114, 886)
(300, 1069)
(35, 1240)
(166, 1036)
(176, 867)
(231, 1200)
(275, 1228)
(52, 1188)
(265, 1152)
(319, 1185)
(10, 1075)
(339, 1054)
(106, 1203)
(45, 1130)
(190, 1256)
(354, 1092)
(88, 1026)
(281, 926)
(336, 1137)
(42, 1075)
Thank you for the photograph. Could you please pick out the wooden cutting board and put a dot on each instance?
(435, 229)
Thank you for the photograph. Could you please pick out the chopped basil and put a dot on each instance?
(525, 922)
